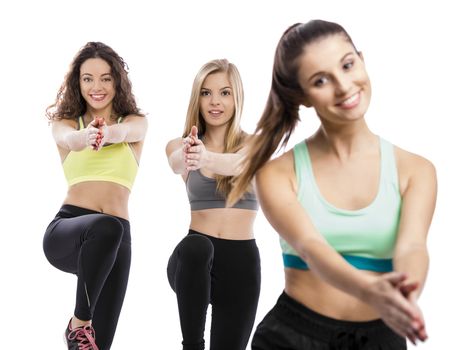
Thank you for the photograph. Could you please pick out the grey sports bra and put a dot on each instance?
(202, 194)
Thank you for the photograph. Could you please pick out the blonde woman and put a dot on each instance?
(218, 261)
(352, 209)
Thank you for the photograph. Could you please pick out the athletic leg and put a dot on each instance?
(85, 243)
(189, 275)
(236, 289)
(110, 301)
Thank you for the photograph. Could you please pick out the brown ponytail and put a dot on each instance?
(281, 112)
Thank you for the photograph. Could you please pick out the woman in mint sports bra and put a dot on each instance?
(99, 133)
(217, 262)
(352, 210)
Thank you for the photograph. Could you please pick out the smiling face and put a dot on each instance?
(333, 78)
(97, 85)
(216, 100)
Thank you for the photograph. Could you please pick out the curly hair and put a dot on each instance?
(70, 103)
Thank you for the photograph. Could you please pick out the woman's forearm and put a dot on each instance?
(127, 132)
(75, 140)
(414, 262)
(177, 161)
(226, 164)
(325, 262)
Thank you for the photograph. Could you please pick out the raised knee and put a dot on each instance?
(195, 249)
(108, 228)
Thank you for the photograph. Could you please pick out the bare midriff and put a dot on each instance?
(102, 196)
(321, 297)
(226, 223)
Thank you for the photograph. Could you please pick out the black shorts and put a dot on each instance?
(290, 325)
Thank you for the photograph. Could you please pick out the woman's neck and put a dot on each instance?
(215, 137)
(105, 113)
(346, 140)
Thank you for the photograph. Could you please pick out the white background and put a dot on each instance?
(417, 55)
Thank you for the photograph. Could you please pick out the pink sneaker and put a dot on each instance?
(80, 338)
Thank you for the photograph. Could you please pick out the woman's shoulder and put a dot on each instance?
(281, 165)
(245, 137)
(243, 143)
(277, 174)
(411, 166)
(411, 160)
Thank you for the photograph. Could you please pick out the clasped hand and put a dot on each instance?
(395, 299)
(97, 133)
(194, 151)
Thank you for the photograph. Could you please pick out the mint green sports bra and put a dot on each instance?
(364, 237)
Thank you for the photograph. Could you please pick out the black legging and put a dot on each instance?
(291, 325)
(226, 273)
(97, 248)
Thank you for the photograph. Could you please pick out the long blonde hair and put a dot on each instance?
(281, 113)
(234, 134)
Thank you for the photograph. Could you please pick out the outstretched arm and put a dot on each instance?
(278, 199)
(190, 153)
(197, 156)
(418, 204)
(132, 129)
(175, 151)
(69, 138)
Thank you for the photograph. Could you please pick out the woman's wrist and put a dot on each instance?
(207, 159)
(364, 287)
(116, 133)
(76, 140)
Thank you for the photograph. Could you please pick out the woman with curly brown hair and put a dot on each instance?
(99, 132)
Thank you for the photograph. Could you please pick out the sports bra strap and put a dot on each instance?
(81, 123)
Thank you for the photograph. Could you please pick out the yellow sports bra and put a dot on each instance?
(114, 163)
